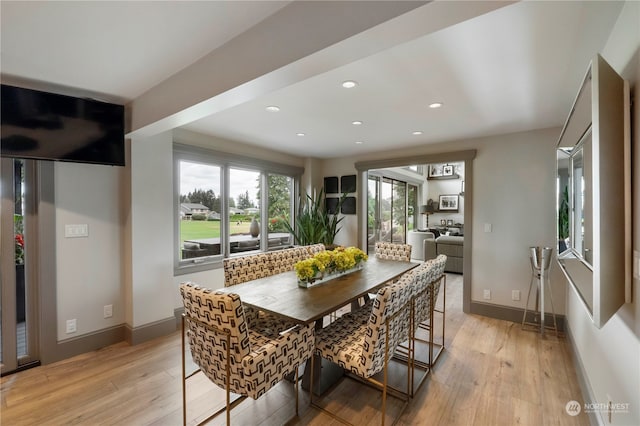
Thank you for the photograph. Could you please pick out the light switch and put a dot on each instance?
(76, 231)
(636, 264)
(487, 227)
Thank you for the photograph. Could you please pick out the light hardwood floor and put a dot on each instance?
(491, 373)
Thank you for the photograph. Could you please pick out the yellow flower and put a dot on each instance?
(339, 259)
(324, 259)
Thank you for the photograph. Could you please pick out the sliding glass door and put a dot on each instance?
(18, 343)
(387, 211)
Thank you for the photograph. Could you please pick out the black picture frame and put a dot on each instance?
(349, 205)
(447, 170)
(331, 205)
(449, 203)
(331, 185)
(348, 183)
(435, 171)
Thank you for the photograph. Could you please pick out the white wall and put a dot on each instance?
(610, 357)
(515, 201)
(348, 235)
(89, 269)
(151, 209)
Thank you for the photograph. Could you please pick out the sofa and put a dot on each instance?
(450, 246)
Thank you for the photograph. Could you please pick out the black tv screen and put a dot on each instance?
(47, 126)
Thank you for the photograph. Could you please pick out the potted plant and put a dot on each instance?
(313, 223)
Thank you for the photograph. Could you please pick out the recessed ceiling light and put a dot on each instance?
(436, 105)
(357, 123)
(273, 108)
(417, 132)
(349, 84)
(300, 134)
(358, 142)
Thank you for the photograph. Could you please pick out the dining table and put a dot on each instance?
(281, 295)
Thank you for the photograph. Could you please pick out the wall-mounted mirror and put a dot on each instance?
(594, 196)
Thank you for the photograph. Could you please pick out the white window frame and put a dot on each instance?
(225, 161)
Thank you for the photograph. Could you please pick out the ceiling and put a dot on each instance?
(513, 69)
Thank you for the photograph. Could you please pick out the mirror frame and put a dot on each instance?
(602, 107)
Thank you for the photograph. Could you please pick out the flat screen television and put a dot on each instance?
(47, 126)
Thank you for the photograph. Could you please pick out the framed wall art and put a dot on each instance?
(331, 185)
(348, 183)
(448, 203)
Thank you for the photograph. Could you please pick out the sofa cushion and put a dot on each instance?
(450, 239)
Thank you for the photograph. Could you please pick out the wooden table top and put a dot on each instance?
(281, 295)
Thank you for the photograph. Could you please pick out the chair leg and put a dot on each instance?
(385, 372)
(311, 379)
(295, 384)
(228, 379)
(184, 380)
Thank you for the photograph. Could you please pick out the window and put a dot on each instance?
(412, 207)
(223, 203)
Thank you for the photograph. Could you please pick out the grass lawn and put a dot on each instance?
(198, 229)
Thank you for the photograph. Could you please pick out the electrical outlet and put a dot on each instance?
(515, 295)
(487, 295)
(71, 326)
(108, 311)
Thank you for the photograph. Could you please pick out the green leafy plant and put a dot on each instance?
(313, 223)
(563, 215)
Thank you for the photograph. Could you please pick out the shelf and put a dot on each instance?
(454, 176)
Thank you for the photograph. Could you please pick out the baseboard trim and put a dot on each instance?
(87, 343)
(137, 335)
(512, 314)
(595, 417)
(177, 312)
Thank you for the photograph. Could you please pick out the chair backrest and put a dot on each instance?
(424, 275)
(238, 270)
(315, 249)
(438, 272)
(217, 314)
(285, 260)
(391, 303)
(392, 251)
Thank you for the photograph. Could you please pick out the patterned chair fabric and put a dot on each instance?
(356, 341)
(238, 270)
(260, 356)
(427, 277)
(440, 266)
(392, 251)
(314, 249)
(284, 260)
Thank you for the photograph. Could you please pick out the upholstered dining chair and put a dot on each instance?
(238, 270)
(285, 260)
(426, 287)
(392, 251)
(438, 279)
(364, 341)
(245, 357)
(315, 248)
